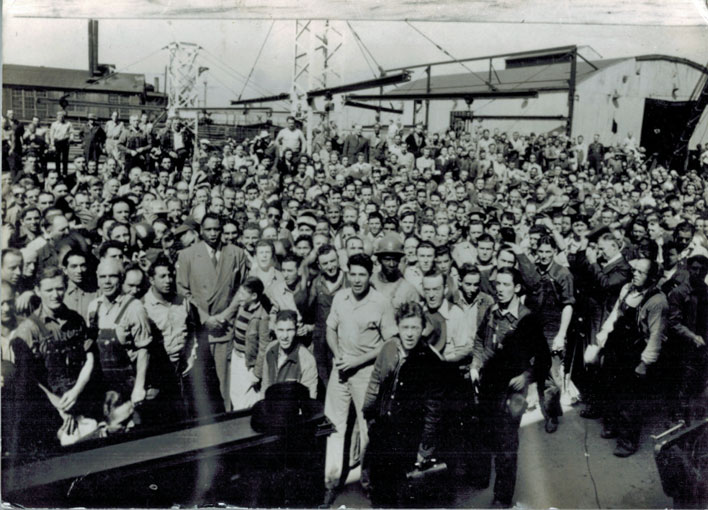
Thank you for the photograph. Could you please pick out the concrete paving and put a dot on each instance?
(557, 470)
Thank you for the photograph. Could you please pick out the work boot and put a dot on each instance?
(500, 504)
(329, 497)
(551, 425)
(623, 450)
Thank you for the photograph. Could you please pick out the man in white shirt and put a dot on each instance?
(60, 133)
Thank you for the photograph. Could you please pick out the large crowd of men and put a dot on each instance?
(417, 283)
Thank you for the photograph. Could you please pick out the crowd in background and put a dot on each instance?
(427, 280)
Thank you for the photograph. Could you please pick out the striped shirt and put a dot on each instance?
(243, 317)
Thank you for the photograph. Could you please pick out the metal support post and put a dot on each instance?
(571, 90)
(427, 101)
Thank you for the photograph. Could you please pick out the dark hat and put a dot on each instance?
(286, 405)
(580, 218)
(182, 229)
(598, 232)
(476, 210)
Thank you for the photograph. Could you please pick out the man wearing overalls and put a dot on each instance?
(629, 345)
(124, 340)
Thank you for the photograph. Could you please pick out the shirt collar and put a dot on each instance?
(55, 316)
(513, 308)
(614, 259)
(358, 302)
(444, 309)
(152, 298)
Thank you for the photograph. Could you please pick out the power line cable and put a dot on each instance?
(361, 42)
(234, 74)
(256, 61)
(488, 84)
(241, 77)
(361, 49)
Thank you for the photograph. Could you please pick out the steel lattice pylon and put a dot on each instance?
(182, 79)
(318, 64)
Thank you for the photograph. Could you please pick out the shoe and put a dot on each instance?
(500, 504)
(551, 425)
(623, 451)
(608, 433)
(590, 413)
(329, 497)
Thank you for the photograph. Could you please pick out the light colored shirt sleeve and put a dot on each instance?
(136, 323)
(308, 371)
(389, 329)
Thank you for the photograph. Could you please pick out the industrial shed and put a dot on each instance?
(651, 96)
(30, 91)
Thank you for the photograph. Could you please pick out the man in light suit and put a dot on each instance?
(209, 274)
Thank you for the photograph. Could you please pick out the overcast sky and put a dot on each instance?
(134, 46)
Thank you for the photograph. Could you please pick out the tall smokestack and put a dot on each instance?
(93, 47)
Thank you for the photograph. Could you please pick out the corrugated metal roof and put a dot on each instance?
(519, 78)
(70, 79)
(525, 78)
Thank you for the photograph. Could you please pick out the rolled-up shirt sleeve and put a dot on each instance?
(657, 309)
(333, 317)
(389, 329)
(135, 321)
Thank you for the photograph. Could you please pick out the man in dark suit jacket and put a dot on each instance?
(355, 143)
(378, 145)
(416, 140)
(209, 275)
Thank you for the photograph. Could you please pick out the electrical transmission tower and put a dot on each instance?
(182, 80)
(318, 64)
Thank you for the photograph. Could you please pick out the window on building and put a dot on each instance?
(17, 104)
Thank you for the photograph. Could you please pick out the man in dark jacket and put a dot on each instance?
(403, 406)
(688, 334)
(178, 144)
(93, 139)
(510, 353)
(354, 144)
(605, 282)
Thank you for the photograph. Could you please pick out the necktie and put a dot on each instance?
(214, 259)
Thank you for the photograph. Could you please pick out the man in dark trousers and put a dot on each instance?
(596, 153)
(510, 353)
(177, 143)
(404, 407)
(606, 281)
(630, 342)
(209, 274)
(355, 143)
(94, 137)
(688, 335)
